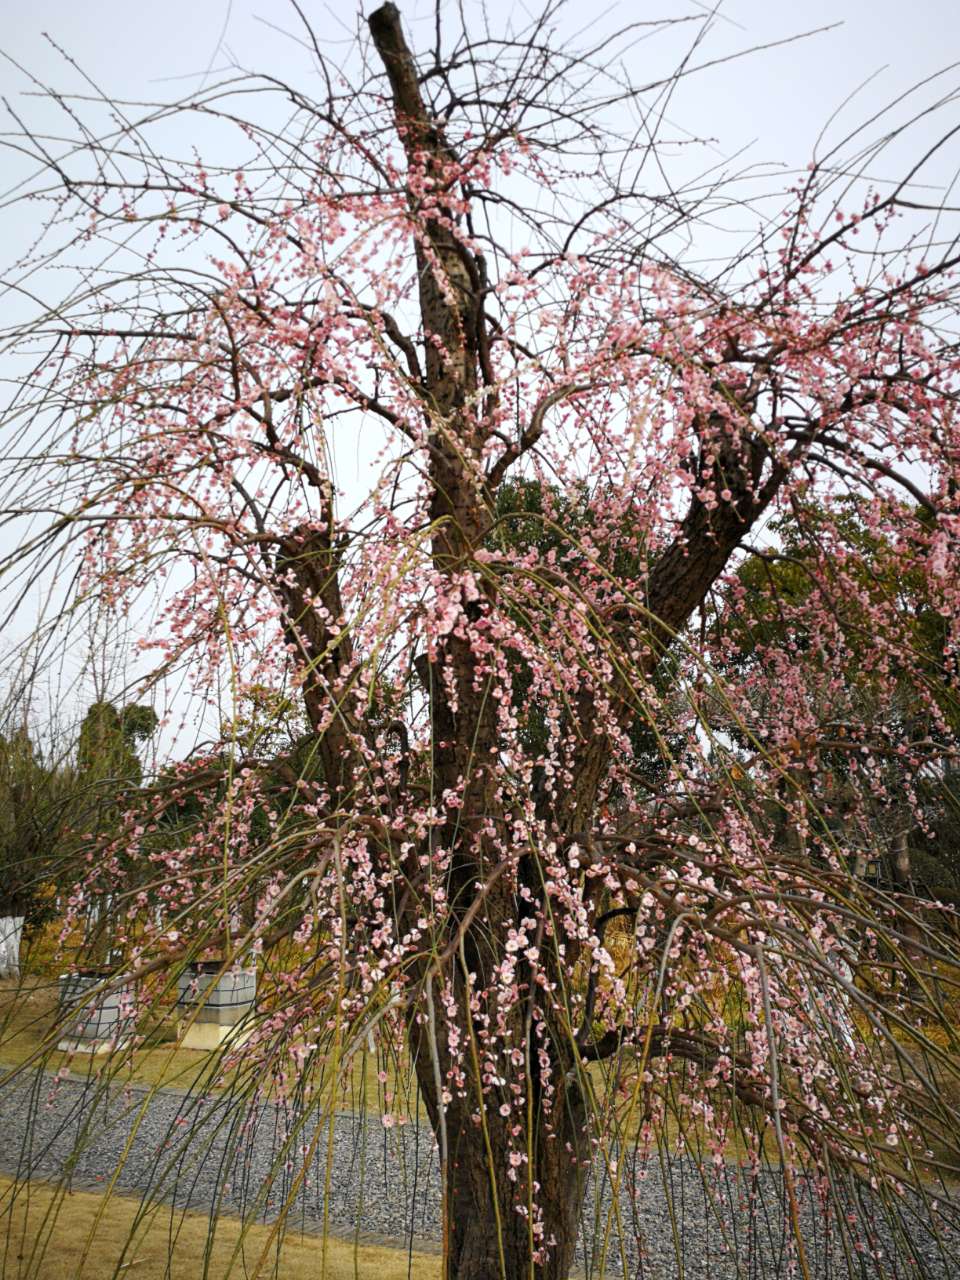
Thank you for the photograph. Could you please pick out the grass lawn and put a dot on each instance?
(90, 1237)
(27, 1016)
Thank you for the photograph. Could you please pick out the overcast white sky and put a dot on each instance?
(773, 104)
(776, 100)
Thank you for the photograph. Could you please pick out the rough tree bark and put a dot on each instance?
(485, 1237)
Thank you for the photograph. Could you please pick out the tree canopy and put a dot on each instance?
(553, 835)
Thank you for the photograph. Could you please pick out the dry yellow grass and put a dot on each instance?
(87, 1237)
(27, 1017)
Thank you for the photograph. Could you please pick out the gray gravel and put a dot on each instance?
(213, 1153)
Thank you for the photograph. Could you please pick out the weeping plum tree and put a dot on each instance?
(515, 845)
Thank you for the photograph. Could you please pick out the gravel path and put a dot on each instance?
(206, 1152)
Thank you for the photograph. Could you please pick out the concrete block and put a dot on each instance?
(208, 1036)
(93, 1018)
(219, 1000)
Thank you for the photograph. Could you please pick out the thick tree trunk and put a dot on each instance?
(497, 1225)
(513, 1185)
(494, 1228)
(487, 1238)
